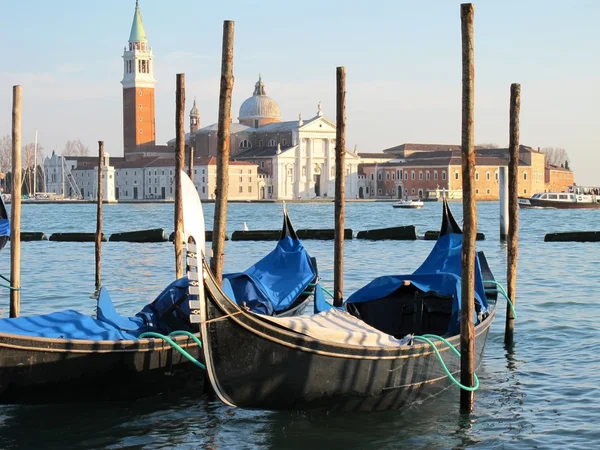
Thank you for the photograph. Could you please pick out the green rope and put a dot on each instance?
(322, 287)
(173, 344)
(9, 286)
(504, 294)
(425, 338)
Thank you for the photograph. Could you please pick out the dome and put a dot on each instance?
(259, 106)
(194, 112)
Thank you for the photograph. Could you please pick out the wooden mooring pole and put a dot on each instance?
(513, 207)
(220, 219)
(503, 187)
(467, 327)
(191, 163)
(340, 174)
(99, 214)
(179, 165)
(15, 207)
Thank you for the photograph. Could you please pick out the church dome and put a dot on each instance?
(259, 107)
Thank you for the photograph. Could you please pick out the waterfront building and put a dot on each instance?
(425, 170)
(295, 159)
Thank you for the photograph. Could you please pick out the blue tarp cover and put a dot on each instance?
(4, 227)
(274, 282)
(109, 325)
(440, 273)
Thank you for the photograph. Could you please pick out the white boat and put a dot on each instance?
(577, 197)
(409, 204)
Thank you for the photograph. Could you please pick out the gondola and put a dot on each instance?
(364, 356)
(68, 356)
(4, 224)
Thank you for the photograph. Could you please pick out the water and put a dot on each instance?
(544, 394)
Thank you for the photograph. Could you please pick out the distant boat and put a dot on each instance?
(408, 204)
(577, 197)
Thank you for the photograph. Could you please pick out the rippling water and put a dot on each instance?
(543, 394)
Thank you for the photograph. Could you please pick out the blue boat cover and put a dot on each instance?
(276, 281)
(165, 314)
(4, 227)
(440, 273)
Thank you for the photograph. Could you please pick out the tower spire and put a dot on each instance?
(138, 34)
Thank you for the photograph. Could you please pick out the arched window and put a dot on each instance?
(412, 173)
(387, 176)
(487, 176)
(393, 175)
(427, 175)
(456, 175)
(379, 176)
(524, 175)
(435, 174)
(272, 143)
(420, 175)
(476, 175)
(399, 176)
(443, 174)
(406, 174)
(245, 144)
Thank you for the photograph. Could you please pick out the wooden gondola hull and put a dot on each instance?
(37, 370)
(255, 364)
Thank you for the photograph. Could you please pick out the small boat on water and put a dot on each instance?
(408, 204)
(577, 197)
(70, 356)
(367, 355)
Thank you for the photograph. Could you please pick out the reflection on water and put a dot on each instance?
(541, 393)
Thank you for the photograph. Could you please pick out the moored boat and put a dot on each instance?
(364, 356)
(70, 356)
(577, 197)
(408, 204)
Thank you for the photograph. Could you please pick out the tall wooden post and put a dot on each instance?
(340, 176)
(15, 207)
(503, 185)
(513, 207)
(467, 327)
(220, 220)
(191, 163)
(179, 164)
(99, 214)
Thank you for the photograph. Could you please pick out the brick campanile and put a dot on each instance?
(138, 88)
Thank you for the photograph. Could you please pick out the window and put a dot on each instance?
(203, 189)
(387, 176)
(241, 179)
(524, 191)
(255, 123)
(163, 172)
(524, 175)
(477, 191)
(149, 190)
(249, 179)
(379, 178)
(272, 143)
(435, 175)
(412, 173)
(406, 174)
(413, 191)
(393, 175)
(203, 179)
(260, 143)
(488, 191)
(443, 174)
(245, 144)
(303, 171)
(250, 171)
(476, 175)
(399, 175)
(487, 176)
(420, 192)
(284, 142)
(241, 189)
(420, 175)
(379, 191)
(456, 175)
(249, 189)
(427, 175)
(496, 174)
(262, 164)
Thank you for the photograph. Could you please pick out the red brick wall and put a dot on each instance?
(138, 117)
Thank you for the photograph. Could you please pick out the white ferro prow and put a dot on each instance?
(194, 235)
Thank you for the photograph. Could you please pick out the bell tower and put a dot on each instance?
(138, 88)
(194, 118)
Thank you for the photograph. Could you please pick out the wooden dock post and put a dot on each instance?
(191, 163)
(467, 327)
(513, 206)
(503, 188)
(15, 207)
(340, 175)
(179, 164)
(220, 219)
(99, 215)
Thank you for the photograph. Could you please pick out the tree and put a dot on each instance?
(556, 156)
(75, 148)
(484, 145)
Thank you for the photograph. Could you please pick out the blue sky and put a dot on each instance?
(403, 63)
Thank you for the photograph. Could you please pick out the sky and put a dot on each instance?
(402, 59)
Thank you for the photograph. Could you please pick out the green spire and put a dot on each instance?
(138, 34)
